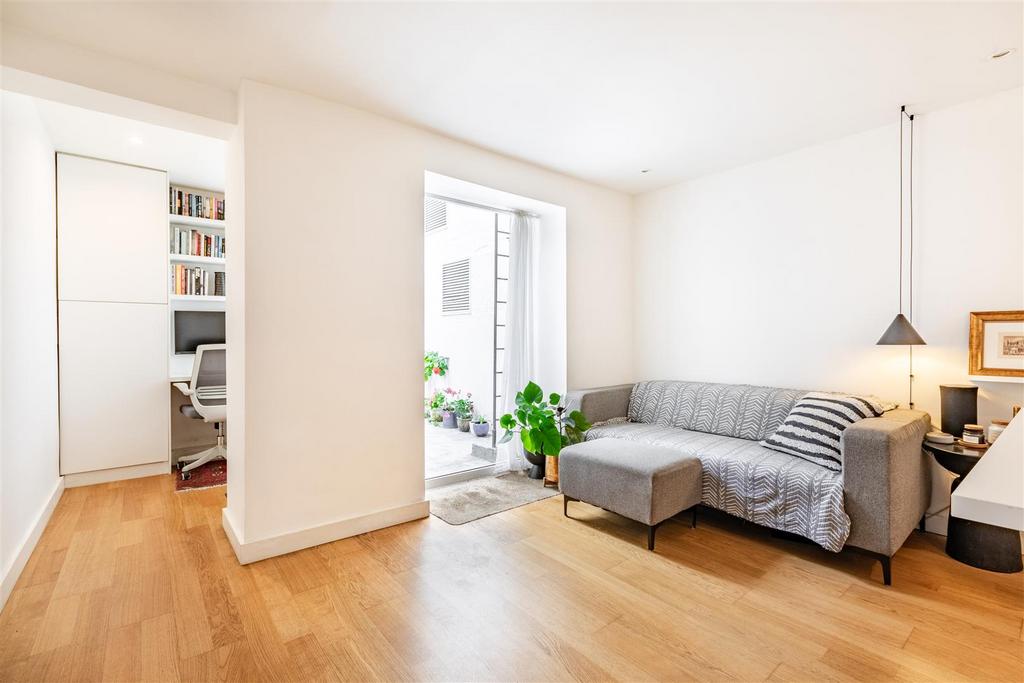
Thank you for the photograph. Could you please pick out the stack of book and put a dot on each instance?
(196, 203)
(190, 242)
(196, 281)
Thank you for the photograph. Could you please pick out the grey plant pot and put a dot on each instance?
(448, 420)
(481, 428)
(463, 424)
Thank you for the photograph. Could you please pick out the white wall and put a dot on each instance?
(466, 338)
(29, 479)
(785, 272)
(335, 332)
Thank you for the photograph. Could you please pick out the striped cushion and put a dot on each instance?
(815, 424)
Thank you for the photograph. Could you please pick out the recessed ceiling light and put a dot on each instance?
(135, 140)
(645, 170)
(1002, 53)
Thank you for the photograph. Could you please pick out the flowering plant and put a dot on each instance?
(434, 364)
(456, 403)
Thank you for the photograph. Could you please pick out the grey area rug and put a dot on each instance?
(471, 500)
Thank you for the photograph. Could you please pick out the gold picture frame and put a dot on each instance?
(1009, 345)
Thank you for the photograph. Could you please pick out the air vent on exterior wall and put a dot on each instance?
(455, 287)
(435, 214)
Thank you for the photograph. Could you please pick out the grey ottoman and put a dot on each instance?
(645, 483)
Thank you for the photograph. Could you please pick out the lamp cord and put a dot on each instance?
(902, 110)
(910, 301)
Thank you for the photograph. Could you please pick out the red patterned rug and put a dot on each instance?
(213, 473)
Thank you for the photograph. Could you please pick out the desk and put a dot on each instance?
(993, 492)
(179, 368)
(987, 505)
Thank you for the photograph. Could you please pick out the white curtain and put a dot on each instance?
(518, 358)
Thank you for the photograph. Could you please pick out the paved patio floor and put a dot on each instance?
(448, 451)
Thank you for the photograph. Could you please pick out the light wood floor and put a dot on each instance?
(134, 582)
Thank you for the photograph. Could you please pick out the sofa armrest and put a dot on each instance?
(885, 479)
(602, 403)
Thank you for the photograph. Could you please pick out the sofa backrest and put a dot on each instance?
(739, 410)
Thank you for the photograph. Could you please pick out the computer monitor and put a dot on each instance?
(192, 328)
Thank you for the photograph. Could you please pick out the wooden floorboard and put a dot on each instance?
(134, 582)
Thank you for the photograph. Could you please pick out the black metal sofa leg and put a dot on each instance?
(886, 569)
(651, 528)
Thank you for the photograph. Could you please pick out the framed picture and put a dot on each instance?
(997, 344)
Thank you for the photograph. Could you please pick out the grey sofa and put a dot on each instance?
(873, 504)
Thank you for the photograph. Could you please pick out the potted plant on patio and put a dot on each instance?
(463, 411)
(480, 426)
(544, 427)
(453, 403)
(434, 364)
(436, 404)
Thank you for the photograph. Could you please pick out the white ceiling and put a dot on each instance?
(189, 159)
(599, 91)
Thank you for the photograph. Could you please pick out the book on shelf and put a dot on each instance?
(188, 242)
(196, 281)
(184, 201)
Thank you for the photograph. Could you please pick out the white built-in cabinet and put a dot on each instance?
(112, 314)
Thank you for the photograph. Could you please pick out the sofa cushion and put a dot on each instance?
(739, 410)
(745, 479)
(816, 423)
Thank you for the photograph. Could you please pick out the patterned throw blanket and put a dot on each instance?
(721, 424)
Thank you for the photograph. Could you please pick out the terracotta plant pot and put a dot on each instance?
(551, 471)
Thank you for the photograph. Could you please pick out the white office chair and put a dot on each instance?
(208, 392)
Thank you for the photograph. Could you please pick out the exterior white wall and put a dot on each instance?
(333, 336)
(785, 272)
(466, 338)
(29, 478)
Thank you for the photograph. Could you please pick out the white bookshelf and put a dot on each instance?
(195, 222)
(211, 264)
(216, 263)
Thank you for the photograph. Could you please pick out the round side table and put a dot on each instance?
(980, 545)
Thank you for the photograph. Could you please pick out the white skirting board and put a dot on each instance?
(325, 533)
(116, 474)
(11, 573)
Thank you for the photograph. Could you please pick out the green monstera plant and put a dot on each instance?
(545, 427)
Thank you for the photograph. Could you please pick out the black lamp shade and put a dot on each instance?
(900, 333)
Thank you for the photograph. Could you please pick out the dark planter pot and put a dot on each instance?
(481, 428)
(463, 424)
(448, 420)
(538, 461)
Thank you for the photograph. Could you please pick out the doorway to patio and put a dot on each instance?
(494, 318)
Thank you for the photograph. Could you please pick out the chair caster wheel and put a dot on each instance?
(179, 465)
(185, 476)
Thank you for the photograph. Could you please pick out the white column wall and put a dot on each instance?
(29, 444)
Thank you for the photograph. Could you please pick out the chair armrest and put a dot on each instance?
(602, 403)
(183, 388)
(885, 478)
